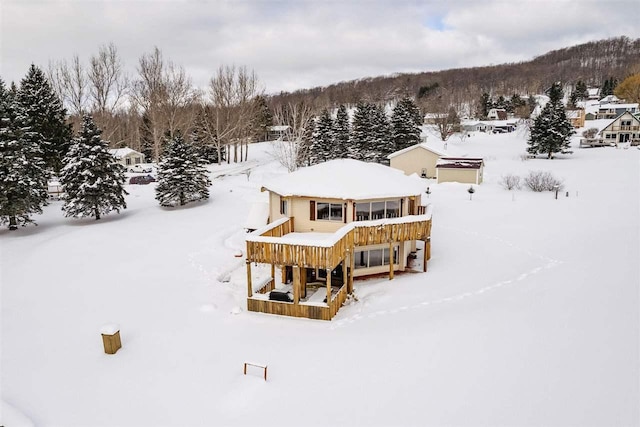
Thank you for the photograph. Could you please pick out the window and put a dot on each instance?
(138, 160)
(283, 206)
(127, 161)
(329, 211)
(377, 210)
(625, 122)
(375, 257)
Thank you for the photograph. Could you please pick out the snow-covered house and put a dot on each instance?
(611, 111)
(623, 129)
(497, 114)
(460, 169)
(420, 159)
(278, 132)
(594, 93)
(576, 117)
(127, 156)
(476, 126)
(609, 99)
(329, 223)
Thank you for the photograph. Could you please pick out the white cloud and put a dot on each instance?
(302, 44)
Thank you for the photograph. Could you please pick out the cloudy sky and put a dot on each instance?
(305, 43)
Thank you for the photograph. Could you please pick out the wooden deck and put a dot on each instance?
(269, 248)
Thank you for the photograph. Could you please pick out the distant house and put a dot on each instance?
(576, 117)
(610, 99)
(594, 93)
(611, 111)
(460, 169)
(623, 129)
(420, 159)
(497, 114)
(127, 156)
(475, 126)
(278, 132)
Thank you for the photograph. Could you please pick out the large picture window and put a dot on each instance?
(375, 257)
(377, 210)
(329, 211)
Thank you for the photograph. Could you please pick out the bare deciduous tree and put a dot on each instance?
(109, 82)
(232, 91)
(292, 150)
(69, 80)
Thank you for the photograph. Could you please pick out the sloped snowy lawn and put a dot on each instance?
(528, 314)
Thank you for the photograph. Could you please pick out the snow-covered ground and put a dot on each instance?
(528, 314)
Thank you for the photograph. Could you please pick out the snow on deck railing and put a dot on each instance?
(257, 237)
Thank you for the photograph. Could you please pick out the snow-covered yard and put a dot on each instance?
(528, 314)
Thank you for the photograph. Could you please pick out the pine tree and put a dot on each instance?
(92, 181)
(23, 176)
(322, 143)
(551, 131)
(382, 143)
(485, 105)
(263, 119)
(146, 137)
(405, 132)
(581, 91)
(361, 136)
(341, 134)
(46, 116)
(182, 178)
(207, 152)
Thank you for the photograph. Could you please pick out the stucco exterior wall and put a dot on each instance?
(465, 176)
(414, 161)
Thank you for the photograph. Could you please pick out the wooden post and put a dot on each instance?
(352, 261)
(344, 270)
(283, 270)
(303, 282)
(249, 285)
(328, 286)
(390, 260)
(273, 273)
(296, 284)
(424, 255)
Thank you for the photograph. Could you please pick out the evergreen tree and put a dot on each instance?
(608, 87)
(485, 105)
(581, 91)
(551, 131)
(405, 132)
(382, 143)
(23, 176)
(322, 143)
(207, 152)
(146, 138)
(93, 182)
(46, 116)
(182, 178)
(263, 119)
(341, 131)
(361, 138)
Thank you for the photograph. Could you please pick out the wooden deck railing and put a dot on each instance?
(328, 257)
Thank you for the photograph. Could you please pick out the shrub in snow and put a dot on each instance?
(510, 182)
(182, 178)
(590, 133)
(93, 183)
(542, 181)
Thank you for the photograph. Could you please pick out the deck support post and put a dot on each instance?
(273, 273)
(352, 261)
(249, 284)
(424, 255)
(303, 282)
(344, 269)
(391, 260)
(296, 284)
(328, 286)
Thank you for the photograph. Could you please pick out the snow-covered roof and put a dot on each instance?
(614, 120)
(278, 128)
(258, 216)
(424, 145)
(619, 106)
(119, 153)
(609, 99)
(459, 163)
(346, 179)
(574, 114)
